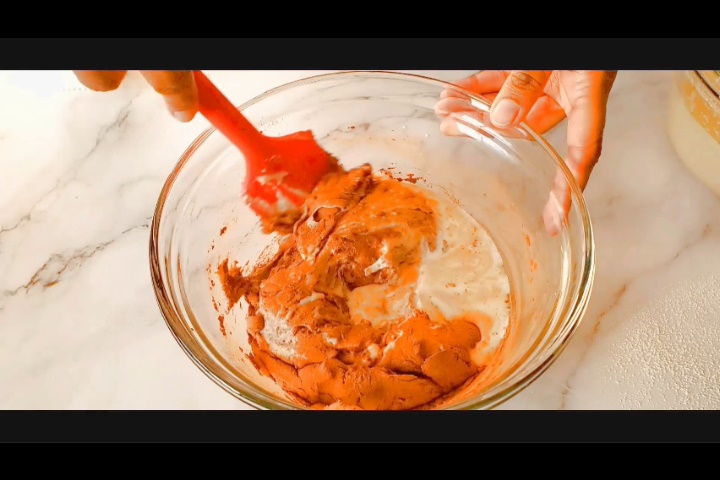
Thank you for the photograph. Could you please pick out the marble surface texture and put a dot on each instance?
(80, 173)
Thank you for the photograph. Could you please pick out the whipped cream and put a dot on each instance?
(464, 275)
(278, 333)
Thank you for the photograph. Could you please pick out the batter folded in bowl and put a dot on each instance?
(384, 297)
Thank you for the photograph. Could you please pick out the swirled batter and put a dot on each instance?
(383, 297)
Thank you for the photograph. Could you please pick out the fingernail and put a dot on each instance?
(183, 116)
(504, 112)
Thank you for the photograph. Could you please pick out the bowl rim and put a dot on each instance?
(576, 307)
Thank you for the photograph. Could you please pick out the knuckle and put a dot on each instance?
(553, 84)
(586, 155)
(596, 84)
(524, 81)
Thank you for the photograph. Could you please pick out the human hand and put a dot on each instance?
(177, 87)
(542, 99)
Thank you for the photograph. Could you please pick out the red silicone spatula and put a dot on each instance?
(281, 171)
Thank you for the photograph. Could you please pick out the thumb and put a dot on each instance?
(517, 96)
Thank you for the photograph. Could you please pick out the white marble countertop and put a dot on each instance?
(80, 328)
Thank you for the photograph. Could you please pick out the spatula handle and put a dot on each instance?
(224, 116)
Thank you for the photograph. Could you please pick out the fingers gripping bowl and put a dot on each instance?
(500, 178)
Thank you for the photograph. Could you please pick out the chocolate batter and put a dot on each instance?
(330, 315)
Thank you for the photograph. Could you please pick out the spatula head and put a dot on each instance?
(289, 170)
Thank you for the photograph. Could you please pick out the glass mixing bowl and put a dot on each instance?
(503, 178)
